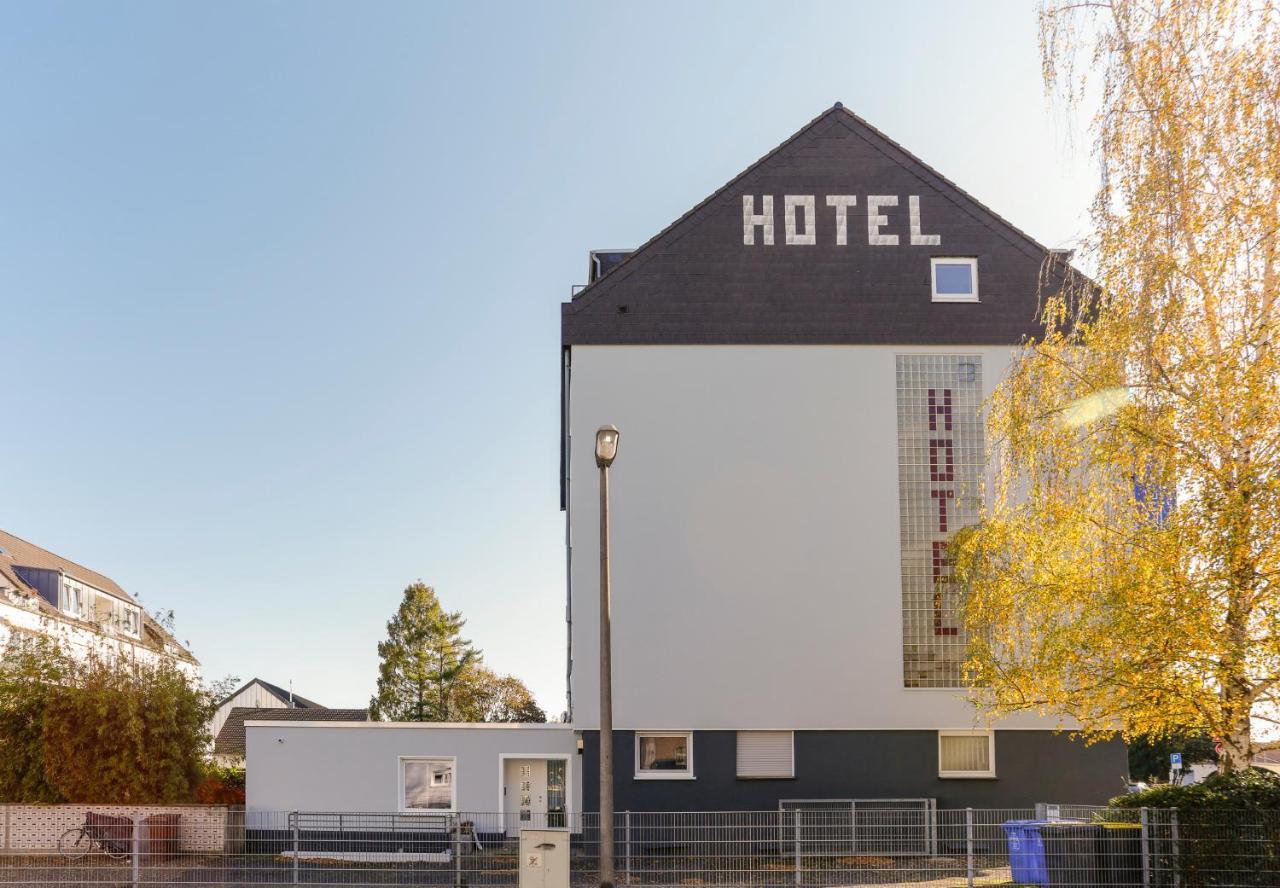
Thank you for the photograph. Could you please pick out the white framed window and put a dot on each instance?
(118, 616)
(131, 621)
(766, 754)
(966, 754)
(72, 598)
(427, 784)
(954, 279)
(664, 755)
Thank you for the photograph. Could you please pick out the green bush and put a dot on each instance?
(30, 675)
(1227, 828)
(1252, 790)
(98, 729)
(221, 785)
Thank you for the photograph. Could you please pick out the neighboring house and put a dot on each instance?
(228, 743)
(46, 594)
(797, 367)
(258, 694)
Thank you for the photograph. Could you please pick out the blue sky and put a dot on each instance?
(280, 282)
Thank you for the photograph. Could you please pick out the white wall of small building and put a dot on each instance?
(354, 766)
(755, 528)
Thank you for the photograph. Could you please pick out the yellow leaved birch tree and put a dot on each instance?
(1125, 574)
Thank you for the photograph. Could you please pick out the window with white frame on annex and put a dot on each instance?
(954, 278)
(966, 754)
(766, 754)
(427, 784)
(941, 446)
(664, 755)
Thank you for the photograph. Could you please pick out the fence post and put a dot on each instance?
(968, 846)
(932, 808)
(457, 850)
(795, 816)
(1173, 834)
(137, 850)
(853, 827)
(293, 827)
(628, 847)
(1146, 861)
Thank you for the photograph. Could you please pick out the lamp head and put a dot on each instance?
(606, 445)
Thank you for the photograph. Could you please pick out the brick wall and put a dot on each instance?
(28, 828)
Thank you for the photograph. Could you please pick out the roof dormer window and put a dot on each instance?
(115, 615)
(955, 279)
(72, 598)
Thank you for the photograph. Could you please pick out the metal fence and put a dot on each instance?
(846, 842)
(864, 826)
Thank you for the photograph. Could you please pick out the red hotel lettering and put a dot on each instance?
(947, 473)
(941, 580)
(941, 473)
(936, 409)
(942, 496)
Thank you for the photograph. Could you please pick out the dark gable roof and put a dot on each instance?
(696, 282)
(230, 739)
(299, 701)
(20, 553)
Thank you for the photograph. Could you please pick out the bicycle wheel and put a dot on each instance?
(74, 844)
(115, 850)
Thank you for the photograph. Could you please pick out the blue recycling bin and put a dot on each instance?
(1026, 852)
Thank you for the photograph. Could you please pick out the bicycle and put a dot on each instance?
(112, 836)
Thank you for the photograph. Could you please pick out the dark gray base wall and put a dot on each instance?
(1031, 766)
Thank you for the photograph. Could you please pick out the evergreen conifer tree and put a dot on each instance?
(423, 658)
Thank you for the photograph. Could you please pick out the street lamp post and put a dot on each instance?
(606, 450)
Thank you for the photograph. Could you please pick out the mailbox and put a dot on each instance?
(544, 858)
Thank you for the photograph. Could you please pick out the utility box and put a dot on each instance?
(544, 858)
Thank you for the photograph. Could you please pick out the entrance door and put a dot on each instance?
(524, 788)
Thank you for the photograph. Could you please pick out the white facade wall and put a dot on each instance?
(755, 528)
(354, 766)
(79, 640)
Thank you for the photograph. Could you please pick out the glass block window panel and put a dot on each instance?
(940, 465)
(965, 754)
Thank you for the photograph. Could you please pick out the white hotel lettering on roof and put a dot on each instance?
(800, 219)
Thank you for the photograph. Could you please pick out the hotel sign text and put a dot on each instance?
(800, 219)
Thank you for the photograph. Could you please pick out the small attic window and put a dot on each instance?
(955, 279)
